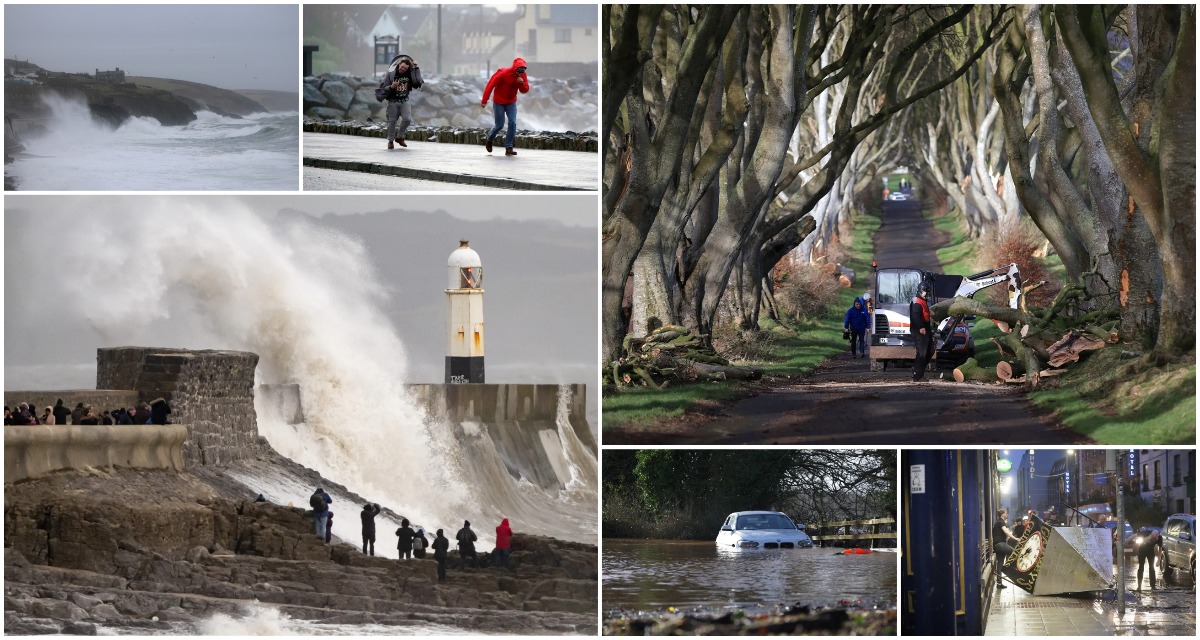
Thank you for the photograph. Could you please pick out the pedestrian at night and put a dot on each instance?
(1151, 540)
(1002, 543)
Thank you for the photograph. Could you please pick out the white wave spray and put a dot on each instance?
(302, 297)
(68, 151)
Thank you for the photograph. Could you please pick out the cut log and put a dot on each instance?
(1049, 373)
(1007, 371)
(970, 370)
(845, 282)
(847, 274)
(1002, 326)
(717, 372)
(1070, 347)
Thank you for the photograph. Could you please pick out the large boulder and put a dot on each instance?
(339, 93)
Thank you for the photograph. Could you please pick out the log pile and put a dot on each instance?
(671, 354)
(1037, 343)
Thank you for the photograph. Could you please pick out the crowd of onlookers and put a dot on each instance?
(155, 412)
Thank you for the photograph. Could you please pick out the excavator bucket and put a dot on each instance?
(1050, 560)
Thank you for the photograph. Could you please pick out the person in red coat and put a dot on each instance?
(503, 543)
(506, 83)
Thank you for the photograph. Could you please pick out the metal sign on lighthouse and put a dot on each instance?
(464, 327)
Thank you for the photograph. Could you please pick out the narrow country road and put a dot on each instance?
(842, 402)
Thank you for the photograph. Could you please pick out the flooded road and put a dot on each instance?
(651, 574)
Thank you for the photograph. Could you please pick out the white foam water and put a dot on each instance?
(257, 619)
(75, 153)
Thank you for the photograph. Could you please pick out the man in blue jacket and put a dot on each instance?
(857, 321)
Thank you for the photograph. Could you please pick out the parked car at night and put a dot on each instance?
(762, 530)
(1179, 545)
(1126, 533)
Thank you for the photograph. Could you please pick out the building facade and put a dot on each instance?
(1167, 479)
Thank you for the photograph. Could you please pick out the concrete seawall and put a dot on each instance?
(519, 424)
(33, 451)
(539, 432)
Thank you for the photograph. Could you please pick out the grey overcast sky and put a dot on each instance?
(573, 210)
(228, 46)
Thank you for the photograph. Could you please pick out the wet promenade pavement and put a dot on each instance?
(1169, 610)
(450, 164)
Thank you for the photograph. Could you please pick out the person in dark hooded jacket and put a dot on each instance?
(441, 551)
(466, 544)
(62, 415)
(402, 77)
(506, 83)
(159, 410)
(857, 321)
(370, 510)
(405, 535)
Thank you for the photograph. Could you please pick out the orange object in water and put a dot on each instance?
(856, 551)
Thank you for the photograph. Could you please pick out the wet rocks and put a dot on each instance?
(163, 548)
(453, 101)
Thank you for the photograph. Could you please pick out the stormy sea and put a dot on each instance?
(304, 298)
(68, 151)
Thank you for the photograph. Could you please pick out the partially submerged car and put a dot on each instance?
(762, 530)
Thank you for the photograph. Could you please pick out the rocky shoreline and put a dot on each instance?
(453, 101)
(151, 552)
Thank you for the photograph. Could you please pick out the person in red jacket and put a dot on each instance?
(506, 83)
(503, 543)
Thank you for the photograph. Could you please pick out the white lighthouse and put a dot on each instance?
(464, 326)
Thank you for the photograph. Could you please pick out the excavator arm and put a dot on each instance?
(975, 283)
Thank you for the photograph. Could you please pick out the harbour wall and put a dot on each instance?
(537, 430)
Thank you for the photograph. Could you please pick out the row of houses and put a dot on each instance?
(477, 39)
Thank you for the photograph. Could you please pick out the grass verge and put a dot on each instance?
(1118, 400)
(796, 349)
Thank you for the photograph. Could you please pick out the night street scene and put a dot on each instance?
(1028, 542)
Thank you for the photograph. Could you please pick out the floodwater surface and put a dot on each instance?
(651, 574)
